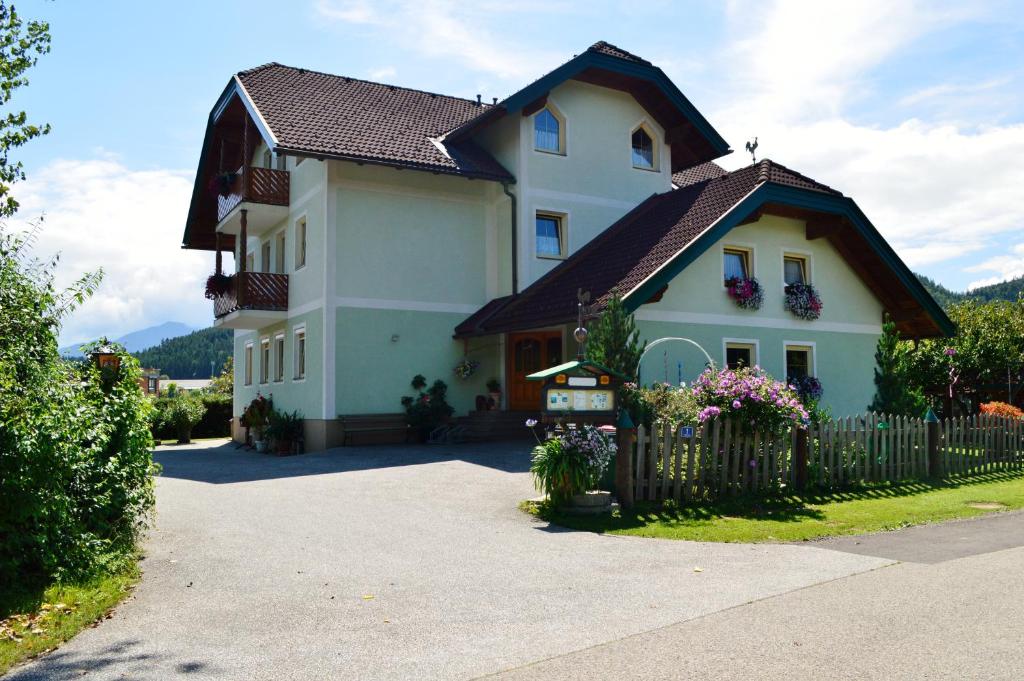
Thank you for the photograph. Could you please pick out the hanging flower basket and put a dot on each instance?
(746, 293)
(218, 285)
(807, 387)
(803, 301)
(466, 368)
(221, 183)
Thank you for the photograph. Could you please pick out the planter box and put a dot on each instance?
(591, 503)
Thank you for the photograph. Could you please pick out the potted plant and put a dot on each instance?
(494, 388)
(568, 468)
(218, 284)
(221, 182)
(746, 293)
(285, 431)
(466, 368)
(256, 418)
(803, 301)
(428, 409)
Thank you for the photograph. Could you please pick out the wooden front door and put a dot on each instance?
(528, 353)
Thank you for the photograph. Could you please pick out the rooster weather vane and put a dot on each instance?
(752, 148)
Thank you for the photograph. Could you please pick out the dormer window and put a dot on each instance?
(643, 149)
(549, 131)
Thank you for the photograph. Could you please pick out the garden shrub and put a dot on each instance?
(1002, 410)
(75, 466)
(662, 402)
(571, 463)
(183, 413)
(429, 409)
(751, 395)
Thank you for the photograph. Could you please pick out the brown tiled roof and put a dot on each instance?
(632, 249)
(698, 173)
(322, 114)
(613, 51)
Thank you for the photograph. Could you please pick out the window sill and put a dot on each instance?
(299, 380)
(551, 257)
(550, 152)
(649, 170)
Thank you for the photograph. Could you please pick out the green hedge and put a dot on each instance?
(216, 421)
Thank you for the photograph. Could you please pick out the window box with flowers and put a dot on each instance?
(803, 301)
(745, 292)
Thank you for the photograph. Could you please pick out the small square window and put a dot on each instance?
(794, 269)
(550, 236)
(736, 263)
(739, 355)
(799, 361)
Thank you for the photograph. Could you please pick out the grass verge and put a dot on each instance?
(35, 621)
(805, 516)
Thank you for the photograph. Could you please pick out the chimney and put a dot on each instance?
(478, 100)
(494, 100)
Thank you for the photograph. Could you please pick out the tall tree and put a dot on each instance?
(21, 45)
(893, 393)
(614, 341)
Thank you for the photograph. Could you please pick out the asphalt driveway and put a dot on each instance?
(396, 563)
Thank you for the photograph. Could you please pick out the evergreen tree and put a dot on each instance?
(614, 341)
(893, 392)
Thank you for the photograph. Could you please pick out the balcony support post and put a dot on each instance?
(218, 267)
(243, 236)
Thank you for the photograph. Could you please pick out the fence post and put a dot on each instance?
(625, 433)
(934, 465)
(800, 459)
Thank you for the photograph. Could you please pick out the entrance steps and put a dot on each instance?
(482, 426)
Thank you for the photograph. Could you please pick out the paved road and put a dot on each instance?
(401, 563)
(956, 613)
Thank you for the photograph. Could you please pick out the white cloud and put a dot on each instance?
(936, 190)
(383, 72)
(1008, 266)
(951, 89)
(98, 213)
(443, 29)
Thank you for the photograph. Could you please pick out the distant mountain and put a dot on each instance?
(139, 340)
(1004, 290)
(190, 356)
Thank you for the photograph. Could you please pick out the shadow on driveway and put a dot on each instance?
(229, 463)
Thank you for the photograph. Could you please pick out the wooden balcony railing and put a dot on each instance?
(259, 185)
(253, 291)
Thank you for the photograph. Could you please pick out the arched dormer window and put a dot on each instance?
(643, 151)
(549, 131)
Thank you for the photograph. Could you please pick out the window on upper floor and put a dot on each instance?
(736, 263)
(300, 243)
(300, 354)
(550, 235)
(264, 360)
(794, 269)
(248, 363)
(279, 255)
(265, 256)
(643, 149)
(740, 354)
(549, 131)
(279, 357)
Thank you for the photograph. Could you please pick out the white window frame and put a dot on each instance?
(296, 332)
(753, 343)
(647, 127)
(305, 241)
(279, 358)
(264, 365)
(811, 346)
(808, 259)
(563, 233)
(247, 357)
(563, 148)
(735, 246)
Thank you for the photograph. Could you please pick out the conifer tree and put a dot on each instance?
(893, 391)
(614, 341)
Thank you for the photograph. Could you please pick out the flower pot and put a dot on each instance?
(261, 446)
(284, 447)
(590, 503)
(496, 397)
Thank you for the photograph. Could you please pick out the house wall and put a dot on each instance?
(696, 306)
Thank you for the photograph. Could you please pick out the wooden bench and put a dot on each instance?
(379, 428)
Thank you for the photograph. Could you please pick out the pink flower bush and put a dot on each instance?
(751, 395)
(747, 293)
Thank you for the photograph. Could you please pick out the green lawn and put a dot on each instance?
(806, 516)
(33, 621)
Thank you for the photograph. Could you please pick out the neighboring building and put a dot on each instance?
(381, 232)
(150, 382)
(188, 384)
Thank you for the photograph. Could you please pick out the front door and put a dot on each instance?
(529, 353)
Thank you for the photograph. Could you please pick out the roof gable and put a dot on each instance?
(648, 247)
(691, 136)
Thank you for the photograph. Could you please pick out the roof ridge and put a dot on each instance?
(362, 80)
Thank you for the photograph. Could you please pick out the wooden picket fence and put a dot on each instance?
(721, 458)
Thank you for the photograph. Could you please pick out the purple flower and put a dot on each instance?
(950, 352)
(736, 404)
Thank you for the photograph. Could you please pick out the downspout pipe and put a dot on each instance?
(515, 238)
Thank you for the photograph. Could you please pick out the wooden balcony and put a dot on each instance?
(263, 186)
(255, 299)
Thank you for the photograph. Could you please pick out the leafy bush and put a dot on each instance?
(750, 394)
(284, 426)
(184, 412)
(75, 465)
(661, 402)
(215, 421)
(571, 463)
(429, 409)
(257, 415)
(1002, 410)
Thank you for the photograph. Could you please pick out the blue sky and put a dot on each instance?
(915, 110)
